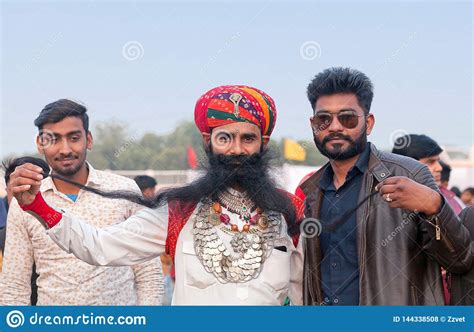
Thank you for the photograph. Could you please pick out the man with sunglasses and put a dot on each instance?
(385, 227)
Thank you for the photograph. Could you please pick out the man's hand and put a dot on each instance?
(402, 192)
(25, 183)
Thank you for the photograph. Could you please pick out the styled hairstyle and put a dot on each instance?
(60, 109)
(342, 80)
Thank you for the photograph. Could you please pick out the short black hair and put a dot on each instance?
(416, 146)
(445, 172)
(10, 165)
(341, 80)
(60, 109)
(469, 190)
(145, 181)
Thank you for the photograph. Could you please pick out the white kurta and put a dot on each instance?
(143, 236)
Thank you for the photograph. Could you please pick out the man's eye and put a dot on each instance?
(223, 137)
(47, 140)
(75, 138)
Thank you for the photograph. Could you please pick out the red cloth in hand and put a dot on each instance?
(41, 209)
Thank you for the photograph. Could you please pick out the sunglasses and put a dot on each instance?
(348, 118)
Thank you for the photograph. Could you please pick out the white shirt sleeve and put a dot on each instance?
(137, 239)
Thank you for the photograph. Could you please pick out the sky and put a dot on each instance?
(146, 63)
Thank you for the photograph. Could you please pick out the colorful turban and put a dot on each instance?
(235, 103)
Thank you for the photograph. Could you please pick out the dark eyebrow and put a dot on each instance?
(341, 110)
(249, 135)
(348, 109)
(75, 132)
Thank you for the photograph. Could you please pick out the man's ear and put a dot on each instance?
(370, 123)
(265, 140)
(39, 146)
(90, 140)
(206, 139)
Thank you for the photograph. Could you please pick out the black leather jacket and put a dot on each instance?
(399, 256)
(462, 285)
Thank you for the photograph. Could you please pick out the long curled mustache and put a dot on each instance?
(249, 173)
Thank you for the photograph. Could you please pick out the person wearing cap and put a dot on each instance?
(231, 233)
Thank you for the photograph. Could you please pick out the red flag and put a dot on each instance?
(192, 157)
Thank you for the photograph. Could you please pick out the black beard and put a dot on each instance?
(355, 148)
(69, 172)
(246, 173)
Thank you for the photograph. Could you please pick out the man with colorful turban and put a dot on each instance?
(230, 232)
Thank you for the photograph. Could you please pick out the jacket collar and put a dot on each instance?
(375, 166)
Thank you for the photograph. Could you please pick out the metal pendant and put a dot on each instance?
(248, 252)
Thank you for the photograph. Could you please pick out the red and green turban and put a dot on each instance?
(235, 103)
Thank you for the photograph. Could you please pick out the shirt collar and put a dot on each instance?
(92, 180)
(363, 161)
(361, 165)
(326, 181)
